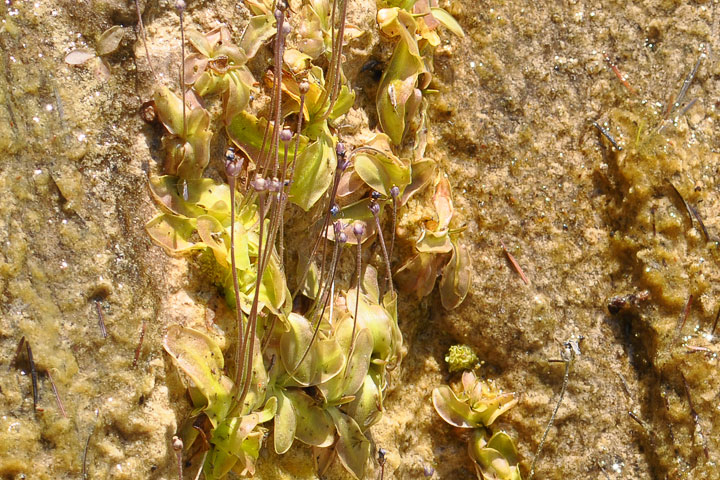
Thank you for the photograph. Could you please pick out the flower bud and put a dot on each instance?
(259, 184)
(304, 87)
(275, 185)
(374, 207)
(359, 230)
(177, 443)
(340, 149)
(285, 135)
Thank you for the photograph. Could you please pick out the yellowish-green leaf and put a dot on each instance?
(314, 426)
(448, 21)
(364, 409)
(200, 358)
(169, 110)
(381, 172)
(343, 104)
(456, 278)
(352, 447)
(434, 242)
(247, 131)
(452, 410)
(214, 236)
(422, 173)
(173, 233)
(314, 171)
(259, 30)
(285, 423)
(418, 275)
(396, 86)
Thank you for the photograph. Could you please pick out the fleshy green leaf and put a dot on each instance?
(169, 110)
(173, 233)
(213, 235)
(200, 42)
(496, 459)
(343, 104)
(456, 278)
(353, 448)
(314, 171)
(418, 274)
(323, 361)
(260, 29)
(247, 132)
(377, 320)
(396, 87)
(447, 20)
(381, 171)
(237, 96)
(350, 379)
(199, 357)
(502, 442)
(355, 212)
(365, 408)
(273, 288)
(452, 410)
(314, 426)
(442, 200)
(285, 423)
(434, 242)
(422, 173)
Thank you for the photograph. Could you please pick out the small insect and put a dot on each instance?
(624, 302)
(391, 94)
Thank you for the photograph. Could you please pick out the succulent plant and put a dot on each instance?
(495, 459)
(476, 407)
(315, 361)
(439, 252)
(479, 403)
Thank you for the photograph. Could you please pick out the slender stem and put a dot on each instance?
(570, 356)
(236, 285)
(336, 255)
(358, 262)
(277, 94)
(388, 274)
(394, 192)
(202, 463)
(251, 328)
(144, 37)
(182, 68)
(320, 235)
(57, 395)
(337, 78)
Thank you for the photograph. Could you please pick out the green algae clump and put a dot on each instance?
(461, 357)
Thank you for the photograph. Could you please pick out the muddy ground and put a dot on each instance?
(511, 124)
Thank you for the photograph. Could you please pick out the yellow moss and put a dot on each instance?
(461, 357)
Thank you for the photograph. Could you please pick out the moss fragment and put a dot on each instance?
(461, 357)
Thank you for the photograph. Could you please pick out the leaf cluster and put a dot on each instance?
(314, 363)
(476, 406)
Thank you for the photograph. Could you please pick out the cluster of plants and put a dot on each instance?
(314, 347)
(476, 405)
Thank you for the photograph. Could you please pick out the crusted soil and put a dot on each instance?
(512, 127)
